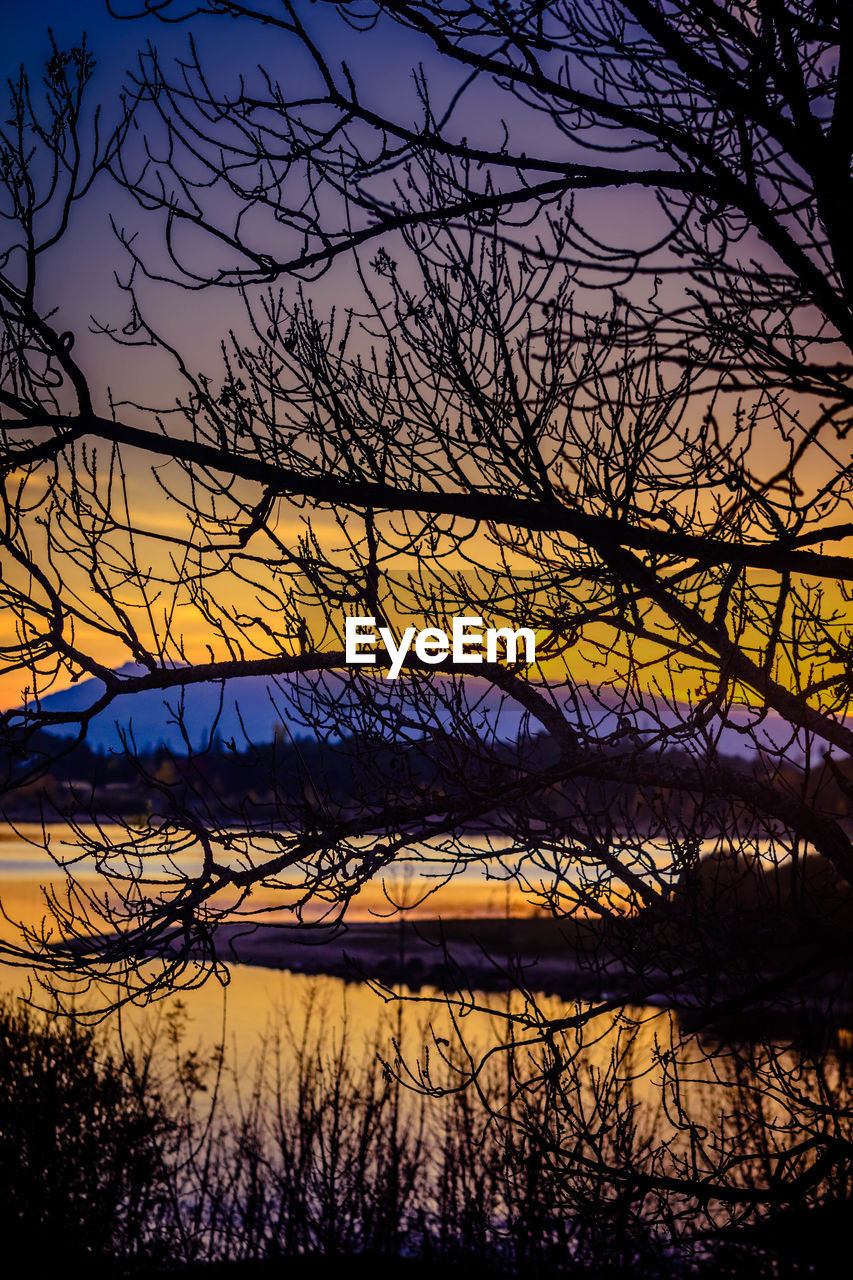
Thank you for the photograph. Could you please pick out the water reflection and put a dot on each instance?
(699, 1124)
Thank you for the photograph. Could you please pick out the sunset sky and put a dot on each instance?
(79, 277)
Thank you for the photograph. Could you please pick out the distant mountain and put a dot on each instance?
(257, 707)
(260, 707)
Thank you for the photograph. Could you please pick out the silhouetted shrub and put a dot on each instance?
(80, 1174)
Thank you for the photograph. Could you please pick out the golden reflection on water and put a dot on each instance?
(251, 1010)
(669, 1075)
(257, 1003)
(265, 1011)
(26, 863)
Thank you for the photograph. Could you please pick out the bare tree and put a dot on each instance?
(630, 440)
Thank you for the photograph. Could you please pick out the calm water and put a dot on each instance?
(259, 1006)
(255, 1003)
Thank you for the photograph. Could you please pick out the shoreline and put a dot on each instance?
(483, 954)
(536, 957)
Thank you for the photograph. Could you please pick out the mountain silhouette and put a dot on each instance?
(245, 708)
(257, 708)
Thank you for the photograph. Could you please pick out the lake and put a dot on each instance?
(678, 1089)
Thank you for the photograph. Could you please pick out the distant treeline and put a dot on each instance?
(285, 780)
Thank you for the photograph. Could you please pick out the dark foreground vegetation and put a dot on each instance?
(161, 1161)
